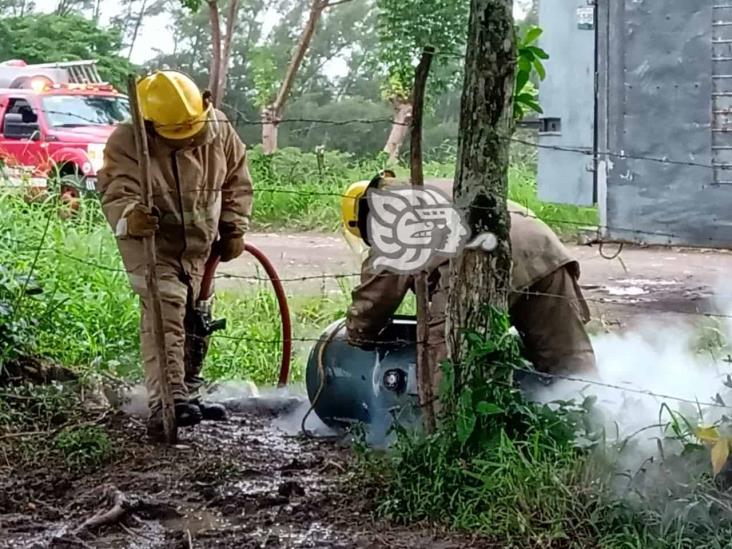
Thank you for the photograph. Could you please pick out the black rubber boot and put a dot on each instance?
(211, 411)
(187, 414)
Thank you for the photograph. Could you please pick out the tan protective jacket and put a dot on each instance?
(536, 252)
(201, 187)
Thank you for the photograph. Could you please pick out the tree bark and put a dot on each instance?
(399, 128)
(269, 132)
(272, 114)
(215, 66)
(480, 279)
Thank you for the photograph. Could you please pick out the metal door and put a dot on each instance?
(665, 88)
(567, 97)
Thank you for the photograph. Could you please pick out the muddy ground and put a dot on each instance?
(239, 484)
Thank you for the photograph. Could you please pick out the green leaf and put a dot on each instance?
(532, 35)
(466, 419)
(474, 339)
(538, 52)
(522, 77)
(534, 106)
(524, 65)
(526, 53)
(489, 409)
(540, 70)
(524, 98)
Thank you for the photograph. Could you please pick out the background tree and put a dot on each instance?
(480, 280)
(46, 38)
(221, 42)
(405, 28)
(273, 107)
(16, 8)
(129, 20)
(341, 78)
(68, 7)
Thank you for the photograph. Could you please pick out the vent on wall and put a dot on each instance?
(550, 125)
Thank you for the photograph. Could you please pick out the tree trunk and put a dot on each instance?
(62, 8)
(226, 55)
(480, 279)
(269, 132)
(272, 114)
(215, 66)
(136, 28)
(399, 128)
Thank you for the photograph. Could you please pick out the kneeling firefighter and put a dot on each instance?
(546, 305)
(202, 204)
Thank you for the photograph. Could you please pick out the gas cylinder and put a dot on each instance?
(348, 385)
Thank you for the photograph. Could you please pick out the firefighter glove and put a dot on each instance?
(142, 221)
(230, 247)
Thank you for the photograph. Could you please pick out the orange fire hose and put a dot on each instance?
(207, 290)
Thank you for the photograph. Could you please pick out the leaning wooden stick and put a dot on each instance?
(424, 373)
(151, 278)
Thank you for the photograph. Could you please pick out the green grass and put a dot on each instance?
(84, 447)
(563, 218)
(87, 317)
(294, 191)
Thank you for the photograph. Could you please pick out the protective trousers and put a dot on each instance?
(549, 315)
(177, 298)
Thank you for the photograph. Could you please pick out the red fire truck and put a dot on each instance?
(55, 120)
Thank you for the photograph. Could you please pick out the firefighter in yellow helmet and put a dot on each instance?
(202, 194)
(546, 305)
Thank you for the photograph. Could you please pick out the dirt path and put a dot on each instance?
(240, 484)
(640, 282)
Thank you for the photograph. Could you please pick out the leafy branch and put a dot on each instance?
(530, 61)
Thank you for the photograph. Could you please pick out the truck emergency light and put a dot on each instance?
(40, 83)
(16, 73)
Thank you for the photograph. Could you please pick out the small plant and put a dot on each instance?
(491, 446)
(84, 448)
(37, 407)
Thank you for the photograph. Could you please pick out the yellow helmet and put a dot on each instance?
(354, 208)
(173, 103)
(349, 206)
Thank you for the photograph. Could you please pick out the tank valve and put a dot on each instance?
(395, 380)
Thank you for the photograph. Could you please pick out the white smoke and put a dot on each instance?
(647, 375)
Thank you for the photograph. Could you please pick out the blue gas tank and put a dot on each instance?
(348, 385)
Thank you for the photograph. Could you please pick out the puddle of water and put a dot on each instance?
(195, 521)
(647, 282)
(625, 290)
(253, 487)
(288, 536)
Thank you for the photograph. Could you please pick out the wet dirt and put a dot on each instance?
(237, 484)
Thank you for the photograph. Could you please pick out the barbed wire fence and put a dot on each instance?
(40, 246)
